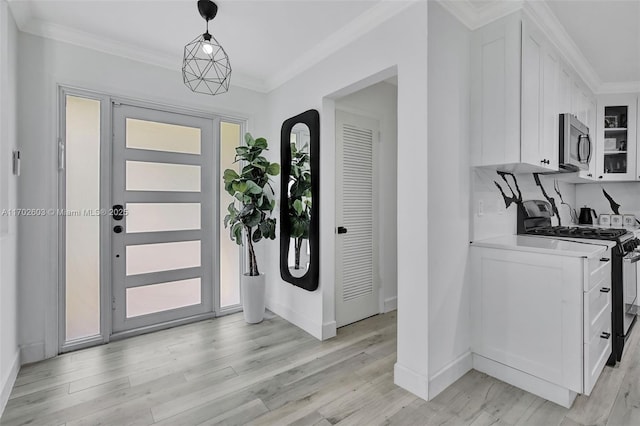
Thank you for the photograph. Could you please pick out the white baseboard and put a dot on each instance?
(522, 380)
(449, 374)
(390, 304)
(416, 383)
(329, 330)
(297, 319)
(7, 385)
(32, 352)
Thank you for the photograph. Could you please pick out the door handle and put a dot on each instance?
(605, 335)
(117, 229)
(117, 212)
(342, 230)
(605, 290)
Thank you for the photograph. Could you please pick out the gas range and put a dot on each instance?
(586, 232)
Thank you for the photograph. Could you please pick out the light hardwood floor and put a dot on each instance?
(226, 372)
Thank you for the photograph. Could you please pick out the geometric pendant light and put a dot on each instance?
(206, 68)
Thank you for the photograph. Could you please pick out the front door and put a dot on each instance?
(162, 220)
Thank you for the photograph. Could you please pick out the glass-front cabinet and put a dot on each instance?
(616, 148)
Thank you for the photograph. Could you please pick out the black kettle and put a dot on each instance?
(587, 215)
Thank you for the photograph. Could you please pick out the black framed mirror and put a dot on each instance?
(299, 200)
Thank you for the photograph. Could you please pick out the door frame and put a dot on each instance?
(106, 145)
(377, 281)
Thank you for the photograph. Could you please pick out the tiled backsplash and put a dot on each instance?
(492, 191)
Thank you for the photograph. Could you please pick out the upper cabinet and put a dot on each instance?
(515, 86)
(520, 86)
(616, 149)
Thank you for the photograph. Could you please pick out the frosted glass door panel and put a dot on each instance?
(154, 136)
(144, 176)
(150, 299)
(147, 258)
(162, 248)
(82, 232)
(229, 251)
(157, 217)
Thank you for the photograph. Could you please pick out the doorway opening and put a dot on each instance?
(366, 202)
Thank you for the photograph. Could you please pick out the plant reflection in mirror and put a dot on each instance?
(299, 198)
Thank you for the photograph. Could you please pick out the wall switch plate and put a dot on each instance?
(480, 208)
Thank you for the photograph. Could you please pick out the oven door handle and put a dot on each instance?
(633, 259)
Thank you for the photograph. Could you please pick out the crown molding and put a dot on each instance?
(546, 19)
(125, 50)
(474, 17)
(373, 17)
(624, 87)
(21, 11)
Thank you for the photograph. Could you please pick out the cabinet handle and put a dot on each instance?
(605, 335)
(599, 177)
(604, 259)
(605, 290)
(590, 175)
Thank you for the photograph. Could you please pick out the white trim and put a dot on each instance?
(329, 330)
(364, 23)
(522, 380)
(416, 383)
(34, 352)
(450, 373)
(102, 44)
(619, 88)
(297, 319)
(7, 386)
(373, 17)
(390, 304)
(549, 24)
(474, 17)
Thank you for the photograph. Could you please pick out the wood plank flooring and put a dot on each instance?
(226, 372)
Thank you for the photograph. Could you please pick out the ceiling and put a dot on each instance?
(263, 38)
(270, 41)
(607, 33)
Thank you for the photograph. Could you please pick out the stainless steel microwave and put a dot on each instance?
(575, 144)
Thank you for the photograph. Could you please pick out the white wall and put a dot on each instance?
(399, 44)
(380, 102)
(449, 195)
(627, 194)
(9, 354)
(43, 63)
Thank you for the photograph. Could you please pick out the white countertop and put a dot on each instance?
(546, 245)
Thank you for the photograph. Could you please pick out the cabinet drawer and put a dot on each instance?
(597, 310)
(598, 271)
(596, 354)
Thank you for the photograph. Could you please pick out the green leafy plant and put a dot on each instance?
(250, 214)
(299, 198)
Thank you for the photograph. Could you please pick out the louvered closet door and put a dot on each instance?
(357, 286)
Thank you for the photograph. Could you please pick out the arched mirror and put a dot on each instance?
(299, 200)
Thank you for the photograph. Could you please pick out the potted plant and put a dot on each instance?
(299, 199)
(249, 217)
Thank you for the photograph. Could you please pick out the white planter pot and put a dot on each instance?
(253, 303)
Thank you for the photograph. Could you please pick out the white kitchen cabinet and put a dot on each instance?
(515, 96)
(540, 321)
(616, 150)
